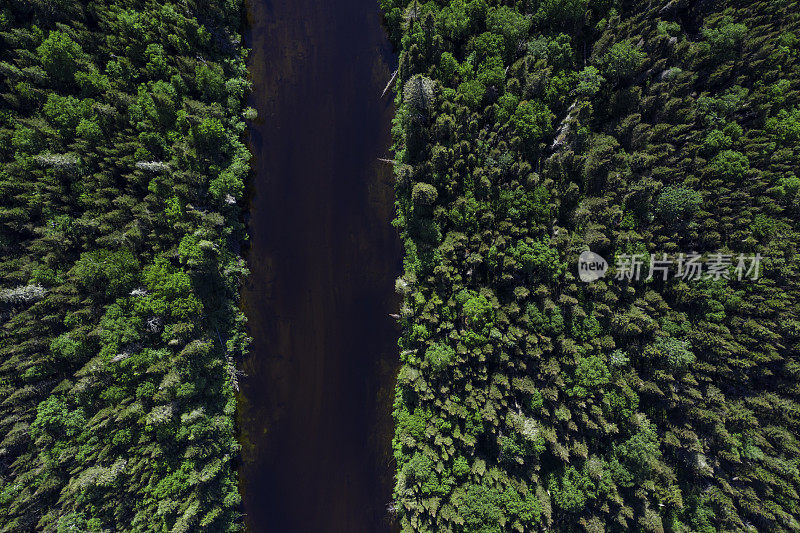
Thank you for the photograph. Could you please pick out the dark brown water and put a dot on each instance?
(315, 407)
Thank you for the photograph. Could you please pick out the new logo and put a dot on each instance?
(591, 266)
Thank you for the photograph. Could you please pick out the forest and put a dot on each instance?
(530, 131)
(527, 133)
(122, 172)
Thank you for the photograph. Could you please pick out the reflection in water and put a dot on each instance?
(315, 407)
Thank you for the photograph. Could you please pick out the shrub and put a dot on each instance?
(472, 93)
(621, 61)
(674, 352)
(590, 374)
(480, 509)
(439, 356)
(569, 490)
(210, 81)
(729, 164)
(716, 110)
(491, 72)
(589, 81)
(423, 194)
(506, 105)
(532, 120)
(555, 51)
(725, 37)
(786, 126)
(89, 130)
(64, 112)
(111, 272)
(642, 451)
(210, 133)
(669, 28)
(677, 203)
(60, 56)
(509, 23)
(448, 66)
(558, 13)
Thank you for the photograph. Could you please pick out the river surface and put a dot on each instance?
(315, 405)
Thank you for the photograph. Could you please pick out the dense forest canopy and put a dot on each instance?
(527, 133)
(121, 172)
(530, 131)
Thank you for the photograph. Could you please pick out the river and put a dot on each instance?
(315, 405)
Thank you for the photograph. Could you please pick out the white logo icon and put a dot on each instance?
(591, 266)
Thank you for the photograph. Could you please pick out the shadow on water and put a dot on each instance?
(315, 407)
